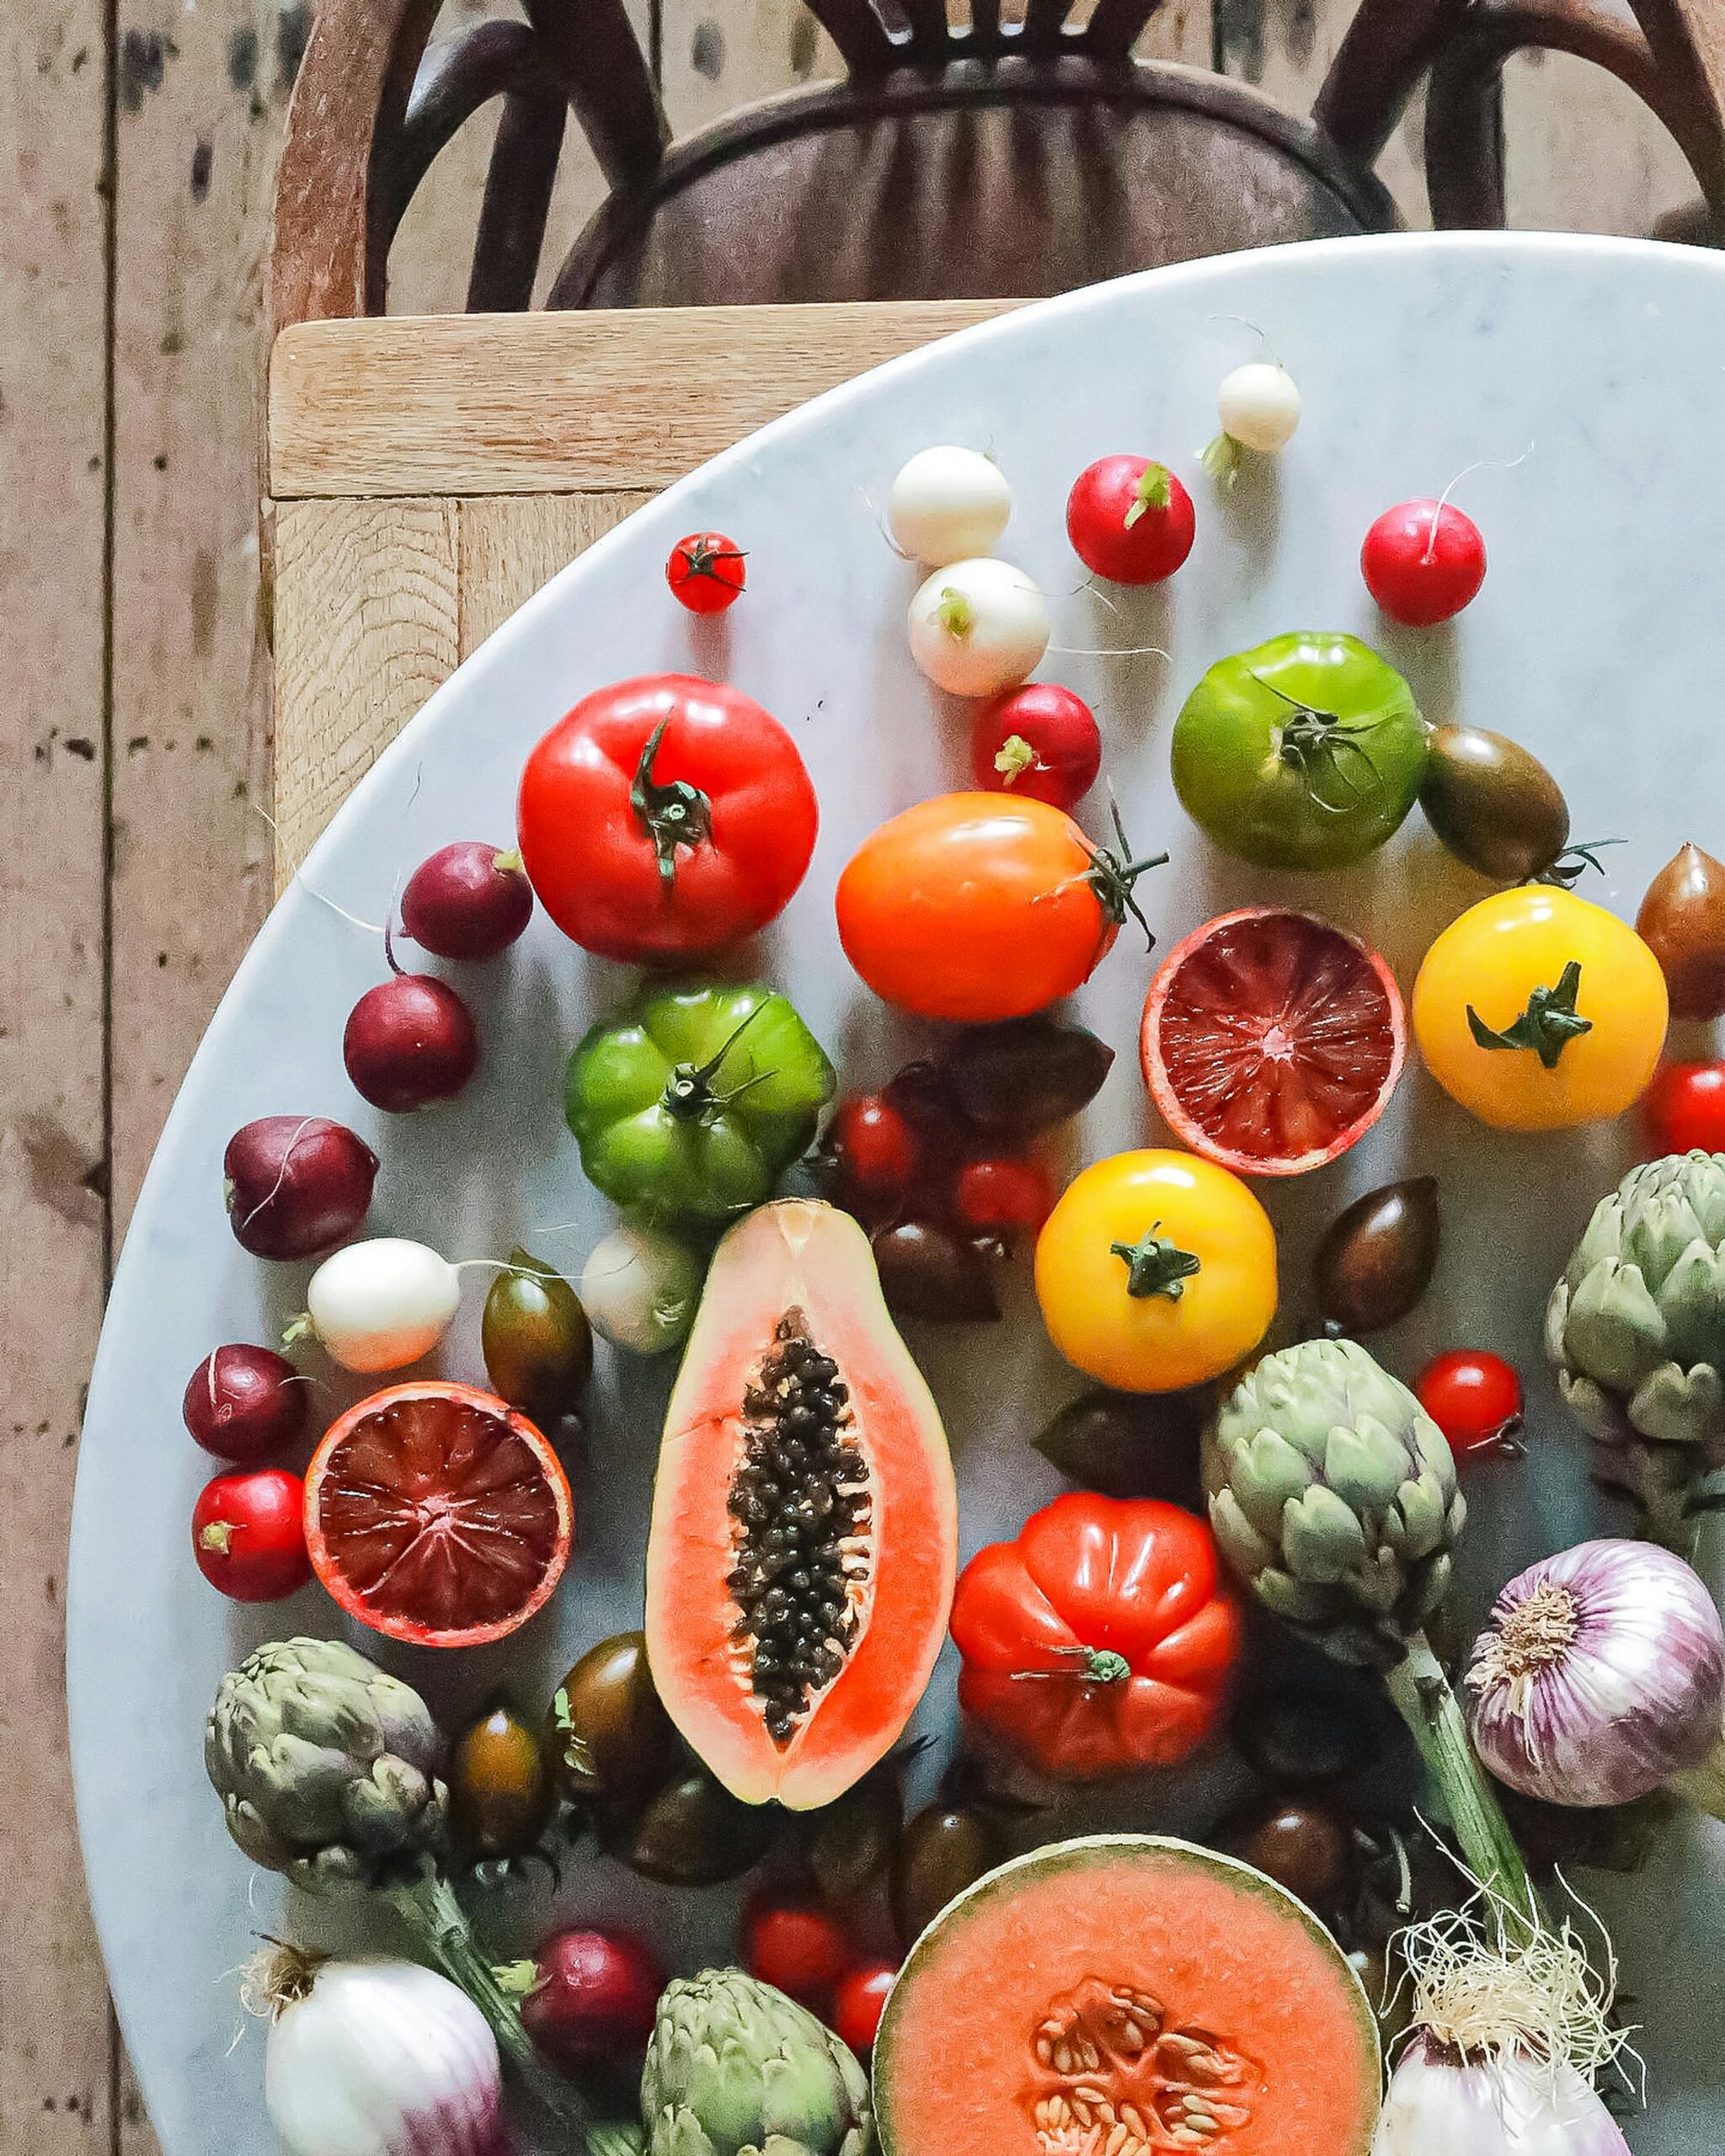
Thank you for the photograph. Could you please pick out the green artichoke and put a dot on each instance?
(735, 2068)
(326, 1767)
(1332, 1495)
(1636, 1329)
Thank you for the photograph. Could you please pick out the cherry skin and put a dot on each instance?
(1475, 1399)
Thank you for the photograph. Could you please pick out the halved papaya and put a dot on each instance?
(805, 1538)
(1129, 1993)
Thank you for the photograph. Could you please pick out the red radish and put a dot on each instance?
(1423, 562)
(798, 1947)
(860, 2002)
(410, 1042)
(591, 1999)
(468, 900)
(249, 1535)
(243, 1403)
(873, 1144)
(1041, 741)
(706, 572)
(1003, 1196)
(1475, 1399)
(296, 1185)
(1129, 520)
(1684, 1109)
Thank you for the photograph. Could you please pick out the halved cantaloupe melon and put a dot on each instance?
(1131, 1995)
(805, 1537)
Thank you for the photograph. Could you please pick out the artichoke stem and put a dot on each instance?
(429, 1907)
(1427, 1704)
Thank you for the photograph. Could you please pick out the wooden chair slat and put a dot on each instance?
(591, 47)
(518, 189)
(1385, 53)
(1116, 26)
(1044, 24)
(455, 79)
(859, 33)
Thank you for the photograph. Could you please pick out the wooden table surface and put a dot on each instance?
(140, 138)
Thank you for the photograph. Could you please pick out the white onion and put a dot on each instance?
(978, 626)
(379, 1304)
(639, 1289)
(380, 2058)
(948, 503)
(1258, 405)
(1499, 2105)
(1600, 1676)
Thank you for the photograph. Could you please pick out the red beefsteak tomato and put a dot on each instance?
(664, 818)
(1102, 1642)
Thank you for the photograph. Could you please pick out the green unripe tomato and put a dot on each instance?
(1305, 752)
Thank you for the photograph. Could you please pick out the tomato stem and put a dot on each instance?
(689, 1094)
(1548, 1024)
(1155, 1264)
(672, 815)
(1102, 1666)
(1570, 866)
(1112, 874)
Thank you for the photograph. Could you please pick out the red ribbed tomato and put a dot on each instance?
(1102, 1641)
(664, 818)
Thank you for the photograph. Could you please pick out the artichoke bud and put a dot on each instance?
(1332, 1496)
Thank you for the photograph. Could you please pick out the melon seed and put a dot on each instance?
(801, 1507)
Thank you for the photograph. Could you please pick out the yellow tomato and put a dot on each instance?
(1157, 1270)
(1537, 1010)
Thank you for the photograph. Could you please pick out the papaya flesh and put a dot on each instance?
(805, 1537)
(1127, 1993)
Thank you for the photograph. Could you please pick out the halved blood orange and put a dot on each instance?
(436, 1513)
(1272, 1041)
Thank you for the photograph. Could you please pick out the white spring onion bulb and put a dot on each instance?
(948, 503)
(380, 1304)
(978, 626)
(639, 1289)
(376, 2057)
(1258, 406)
(1600, 1676)
(1495, 2105)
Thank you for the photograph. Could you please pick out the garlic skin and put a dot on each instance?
(382, 2057)
(1503, 2105)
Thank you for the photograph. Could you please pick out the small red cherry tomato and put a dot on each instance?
(798, 1947)
(706, 572)
(1003, 1196)
(1684, 1109)
(873, 1144)
(1041, 741)
(1475, 1399)
(1129, 520)
(249, 1535)
(1423, 562)
(859, 2005)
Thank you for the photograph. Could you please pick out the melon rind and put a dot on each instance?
(797, 1251)
(918, 2135)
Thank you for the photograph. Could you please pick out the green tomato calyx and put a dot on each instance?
(673, 814)
(1090, 1666)
(1013, 758)
(1155, 1264)
(1152, 492)
(1114, 872)
(689, 1092)
(701, 557)
(1548, 1024)
(1312, 741)
(1571, 865)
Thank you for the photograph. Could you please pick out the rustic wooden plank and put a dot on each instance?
(367, 624)
(55, 2079)
(510, 545)
(560, 403)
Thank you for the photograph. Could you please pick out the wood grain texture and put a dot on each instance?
(559, 404)
(56, 2058)
(510, 545)
(367, 624)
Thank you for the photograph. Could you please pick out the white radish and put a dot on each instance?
(1258, 405)
(639, 1289)
(947, 504)
(380, 1304)
(978, 626)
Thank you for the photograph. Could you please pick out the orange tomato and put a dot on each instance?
(974, 906)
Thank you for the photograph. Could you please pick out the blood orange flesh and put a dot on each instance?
(436, 1513)
(1272, 1041)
